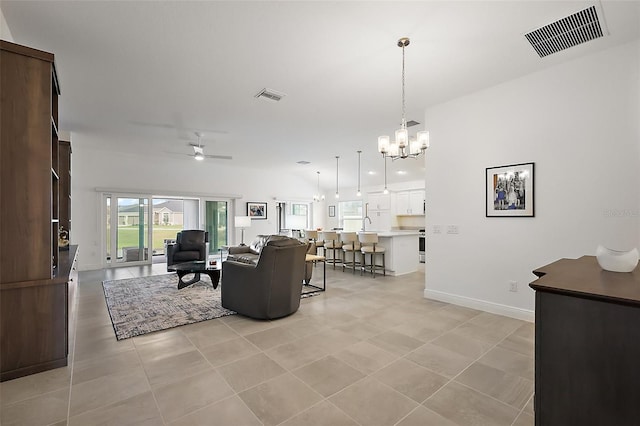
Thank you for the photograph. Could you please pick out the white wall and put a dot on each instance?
(93, 168)
(579, 123)
(5, 31)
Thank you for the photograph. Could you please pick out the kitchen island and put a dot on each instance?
(401, 251)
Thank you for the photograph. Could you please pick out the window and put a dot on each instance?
(350, 215)
(299, 209)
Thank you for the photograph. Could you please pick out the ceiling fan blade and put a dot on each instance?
(174, 127)
(220, 157)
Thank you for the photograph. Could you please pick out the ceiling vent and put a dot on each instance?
(270, 94)
(567, 32)
(411, 123)
(303, 162)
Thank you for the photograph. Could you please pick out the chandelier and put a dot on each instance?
(403, 146)
(318, 196)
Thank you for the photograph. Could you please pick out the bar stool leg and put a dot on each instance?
(354, 260)
(384, 267)
(373, 263)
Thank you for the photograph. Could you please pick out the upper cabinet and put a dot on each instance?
(29, 164)
(379, 201)
(410, 203)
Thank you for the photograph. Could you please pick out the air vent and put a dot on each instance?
(270, 94)
(303, 162)
(411, 123)
(567, 32)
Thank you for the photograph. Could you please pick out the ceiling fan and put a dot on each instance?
(198, 151)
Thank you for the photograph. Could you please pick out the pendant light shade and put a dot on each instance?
(359, 194)
(318, 195)
(337, 192)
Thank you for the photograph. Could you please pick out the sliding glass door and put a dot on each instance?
(137, 228)
(128, 231)
(216, 224)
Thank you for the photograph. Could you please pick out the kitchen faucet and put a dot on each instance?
(366, 216)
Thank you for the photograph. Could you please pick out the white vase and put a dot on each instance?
(617, 261)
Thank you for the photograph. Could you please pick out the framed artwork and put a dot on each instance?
(332, 211)
(510, 190)
(257, 210)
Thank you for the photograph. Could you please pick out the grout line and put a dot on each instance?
(473, 362)
(375, 290)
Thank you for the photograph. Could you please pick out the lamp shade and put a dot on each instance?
(243, 221)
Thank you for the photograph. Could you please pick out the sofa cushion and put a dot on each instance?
(244, 258)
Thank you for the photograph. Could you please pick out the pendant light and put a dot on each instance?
(318, 196)
(403, 146)
(386, 191)
(359, 194)
(337, 193)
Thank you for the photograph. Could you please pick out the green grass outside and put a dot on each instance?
(128, 236)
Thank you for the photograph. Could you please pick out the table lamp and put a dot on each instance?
(242, 222)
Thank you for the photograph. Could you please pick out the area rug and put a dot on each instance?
(147, 304)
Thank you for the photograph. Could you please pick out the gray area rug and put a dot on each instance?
(147, 304)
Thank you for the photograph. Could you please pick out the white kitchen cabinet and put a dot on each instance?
(410, 203)
(379, 201)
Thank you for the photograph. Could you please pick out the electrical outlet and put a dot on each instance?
(513, 286)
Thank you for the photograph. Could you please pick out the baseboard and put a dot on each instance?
(483, 305)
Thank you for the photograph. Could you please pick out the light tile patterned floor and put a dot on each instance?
(366, 352)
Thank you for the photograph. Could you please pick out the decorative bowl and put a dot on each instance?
(617, 261)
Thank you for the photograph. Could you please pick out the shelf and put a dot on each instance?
(55, 175)
(54, 128)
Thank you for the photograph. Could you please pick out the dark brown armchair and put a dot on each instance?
(190, 245)
(271, 287)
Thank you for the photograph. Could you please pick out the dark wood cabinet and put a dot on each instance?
(33, 274)
(587, 347)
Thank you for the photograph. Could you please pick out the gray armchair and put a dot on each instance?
(190, 245)
(269, 288)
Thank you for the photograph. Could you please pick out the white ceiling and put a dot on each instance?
(142, 76)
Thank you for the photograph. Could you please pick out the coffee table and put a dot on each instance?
(196, 267)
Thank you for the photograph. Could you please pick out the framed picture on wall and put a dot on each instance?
(332, 211)
(510, 190)
(257, 210)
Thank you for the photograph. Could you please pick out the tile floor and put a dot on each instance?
(367, 352)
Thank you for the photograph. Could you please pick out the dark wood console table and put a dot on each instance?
(587, 348)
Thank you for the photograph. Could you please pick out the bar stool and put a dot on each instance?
(369, 242)
(331, 242)
(350, 244)
(312, 235)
